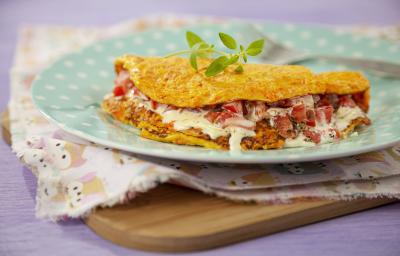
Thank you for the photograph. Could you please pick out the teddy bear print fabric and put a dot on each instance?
(75, 176)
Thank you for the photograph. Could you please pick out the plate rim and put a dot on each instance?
(232, 157)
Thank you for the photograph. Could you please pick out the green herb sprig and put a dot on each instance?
(201, 49)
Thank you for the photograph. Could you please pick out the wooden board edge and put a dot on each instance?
(203, 242)
(5, 127)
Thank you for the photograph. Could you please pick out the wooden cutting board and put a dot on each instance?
(176, 219)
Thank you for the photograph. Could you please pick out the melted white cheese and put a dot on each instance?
(344, 116)
(299, 141)
(237, 134)
(184, 119)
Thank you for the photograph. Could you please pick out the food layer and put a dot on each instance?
(306, 120)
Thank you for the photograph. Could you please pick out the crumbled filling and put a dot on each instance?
(302, 121)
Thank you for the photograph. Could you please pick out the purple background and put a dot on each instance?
(373, 232)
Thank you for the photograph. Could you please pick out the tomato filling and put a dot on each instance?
(312, 116)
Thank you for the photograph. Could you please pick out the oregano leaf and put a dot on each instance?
(232, 60)
(239, 69)
(228, 40)
(193, 38)
(255, 47)
(217, 66)
(193, 60)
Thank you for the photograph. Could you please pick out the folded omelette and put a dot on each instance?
(265, 107)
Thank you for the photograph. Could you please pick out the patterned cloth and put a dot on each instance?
(72, 181)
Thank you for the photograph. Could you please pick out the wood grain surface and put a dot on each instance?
(176, 219)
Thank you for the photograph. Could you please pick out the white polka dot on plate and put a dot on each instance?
(171, 46)
(288, 43)
(104, 73)
(50, 87)
(69, 63)
(272, 35)
(289, 27)
(98, 48)
(339, 31)
(340, 67)
(339, 48)
(103, 132)
(94, 117)
(393, 48)
(73, 87)
(86, 124)
(357, 54)
(39, 97)
(119, 44)
(207, 33)
(322, 61)
(59, 76)
(152, 51)
(226, 26)
(64, 97)
(157, 35)
(355, 38)
(79, 107)
(81, 75)
(138, 40)
(90, 61)
(374, 43)
(55, 107)
(382, 93)
(305, 35)
(111, 59)
(87, 98)
(95, 87)
(321, 42)
(70, 115)
(259, 26)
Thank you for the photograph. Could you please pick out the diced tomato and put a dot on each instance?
(234, 106)
(154, 104)
(299, 113)
(261, 109)
(314, 136)
(284, 126)
(171, 107)
(119, 91)
(284, 103)
(360, 101)
(323, 101)
(223, 116)
(310, 117)
(324, 113)
(257, 110)
(346, 101)
(212, 116)
(122, 78)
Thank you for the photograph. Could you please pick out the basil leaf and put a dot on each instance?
(217, 66)
(228, 41)
(192, 38)
(255, 47)
(193, 61)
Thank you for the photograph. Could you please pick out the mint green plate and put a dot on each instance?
(69, 92)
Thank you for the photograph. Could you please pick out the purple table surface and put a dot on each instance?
(372, 232)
